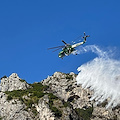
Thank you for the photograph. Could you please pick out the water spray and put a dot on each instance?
(102, 75)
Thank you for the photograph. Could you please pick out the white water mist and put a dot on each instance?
(102, 75)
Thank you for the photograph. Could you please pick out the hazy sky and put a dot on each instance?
(29, 27)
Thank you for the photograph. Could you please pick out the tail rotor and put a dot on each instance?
(85, 36)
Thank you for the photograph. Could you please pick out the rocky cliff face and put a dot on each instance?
(13, 82)
(56, 98)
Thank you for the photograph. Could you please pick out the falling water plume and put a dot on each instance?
(102, 75)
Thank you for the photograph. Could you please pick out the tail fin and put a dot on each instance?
(85, 36)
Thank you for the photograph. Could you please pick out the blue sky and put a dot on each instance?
(29, 27)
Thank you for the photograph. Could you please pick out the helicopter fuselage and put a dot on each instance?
(66, 51)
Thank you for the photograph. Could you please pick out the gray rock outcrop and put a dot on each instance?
(56, 98)
(65, 87)
(13, 82)
(43, 109)
(12, 110)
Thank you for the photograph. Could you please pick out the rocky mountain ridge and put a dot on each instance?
(56, 98)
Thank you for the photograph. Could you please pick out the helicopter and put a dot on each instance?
(68, 49)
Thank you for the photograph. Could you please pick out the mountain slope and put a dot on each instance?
(56, 98)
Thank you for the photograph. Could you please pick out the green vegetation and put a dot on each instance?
(22, 80)
(57, 112)
(115, 117)
(84, 114)
(33, 95)
(103, 104)
(3, 77)
(66, 104)
(9, 97)
(70, 77)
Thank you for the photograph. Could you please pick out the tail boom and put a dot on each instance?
(78, 44)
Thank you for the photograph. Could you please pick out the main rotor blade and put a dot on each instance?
(57, 47)
(64, 42)
(77, 38)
